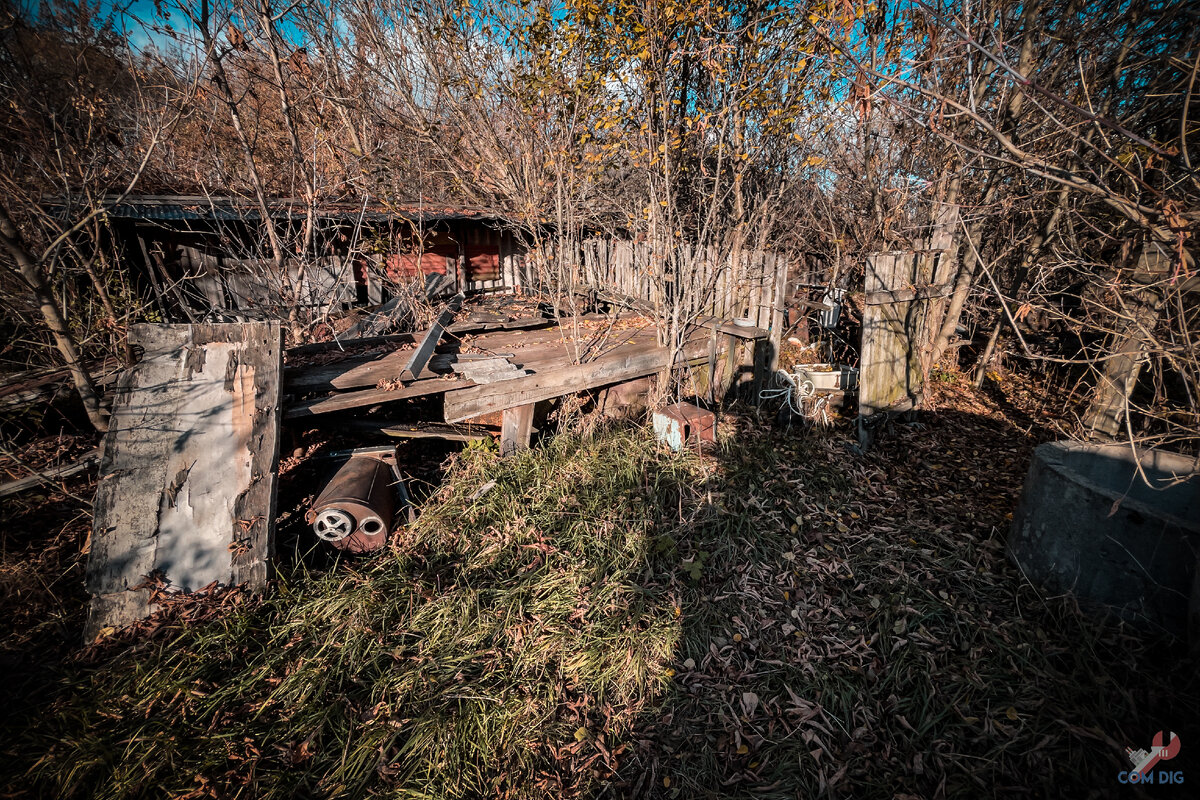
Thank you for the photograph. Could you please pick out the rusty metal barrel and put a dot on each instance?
(356, 509)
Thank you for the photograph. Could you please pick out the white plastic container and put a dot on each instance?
(828, 377)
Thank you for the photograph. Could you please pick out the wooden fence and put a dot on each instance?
(751, 286)
(719, 289)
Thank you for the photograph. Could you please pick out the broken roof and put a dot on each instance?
(230, 208)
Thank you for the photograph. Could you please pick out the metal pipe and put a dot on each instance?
(356, 509)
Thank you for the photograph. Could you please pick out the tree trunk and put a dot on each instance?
(10, 237)
(1118, 375)
(1031, 257)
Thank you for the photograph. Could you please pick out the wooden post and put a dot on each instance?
(884, 371)
(778, 322)
(515, 426)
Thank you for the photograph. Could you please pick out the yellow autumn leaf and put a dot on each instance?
(742, 750)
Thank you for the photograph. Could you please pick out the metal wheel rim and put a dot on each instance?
(333, 525)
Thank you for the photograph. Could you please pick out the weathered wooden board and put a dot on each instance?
(420, 357)
(516, 427)
(351, 373)
(884, 371)
(345, 401)
(188, 472)
(365, 371)
(554, 380)
(492, 370)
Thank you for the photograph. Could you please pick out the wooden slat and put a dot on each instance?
(420, 356)
(187, 477)
(780, 289)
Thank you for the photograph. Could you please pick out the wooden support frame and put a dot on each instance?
(622, 364)
(516, 426)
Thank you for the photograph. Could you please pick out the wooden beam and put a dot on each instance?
(908, 294)
(515, 427)
(369, 397)
(421, 356)
(352, 373)
(625, 363)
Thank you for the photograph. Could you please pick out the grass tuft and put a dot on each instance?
(453, 666)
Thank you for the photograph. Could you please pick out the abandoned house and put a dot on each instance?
(210, 255)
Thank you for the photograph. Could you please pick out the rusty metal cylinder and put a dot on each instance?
(356, 510)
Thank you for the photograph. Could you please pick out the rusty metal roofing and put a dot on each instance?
(187, 208)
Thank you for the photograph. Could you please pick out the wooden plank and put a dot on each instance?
(345, 401)
(624, 363)
(461, 329)
(907, 294)
(515, 427)
(420, 356)
(363, 372)
(780, 288)
(187, 476)
(884, 374)
(489, 371)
